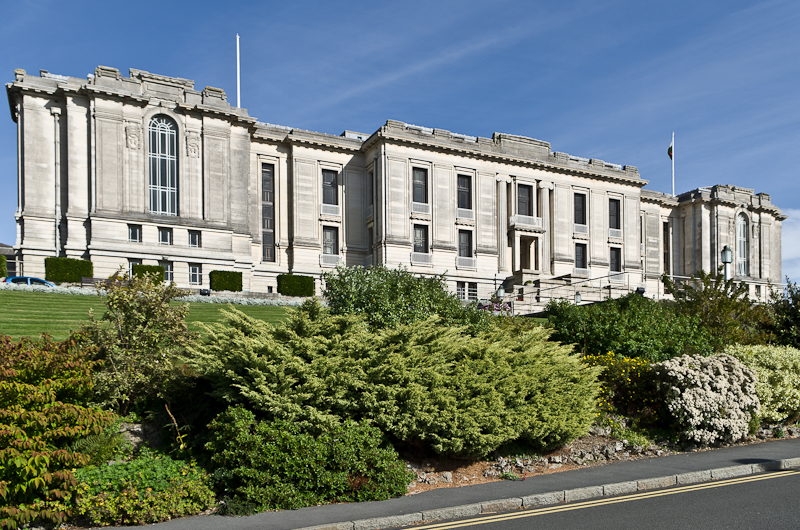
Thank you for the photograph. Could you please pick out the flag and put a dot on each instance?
(669, 151)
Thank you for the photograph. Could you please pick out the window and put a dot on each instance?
(616, 259)
(614, 221)
(268, 211)
(330, 240)
(194, 239)
(168, 278)
(329, 195)
(580, 256)
(421, 239)
(580, 209)
(472, 292)
(742, 247)
(465, 243)
(370, 240)
(131, 263)
(525, 200)
(465, 192)
(135, 233)
(420, 185)
(163, 163)
(195, 274)
(461, 290)
(165, 236)
(665, 238)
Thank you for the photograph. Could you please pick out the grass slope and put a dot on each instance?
(28, 314)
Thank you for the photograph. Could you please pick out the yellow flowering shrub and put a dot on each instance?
(627, 387)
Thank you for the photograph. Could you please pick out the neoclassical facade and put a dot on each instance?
(146, 169)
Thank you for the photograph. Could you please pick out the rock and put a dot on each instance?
(491, 473)
(421, 476)
(555, 459)
(555, 466)
(431, 479)
(447, 477)
(597, 430)
(138, 434)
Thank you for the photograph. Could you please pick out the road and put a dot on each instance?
(768, 500)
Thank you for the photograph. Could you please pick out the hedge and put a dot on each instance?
(3, 268)
(295, 285)
(70, 270)
(225, 280)
(157, 271)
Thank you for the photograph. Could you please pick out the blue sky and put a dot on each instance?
(598, 79)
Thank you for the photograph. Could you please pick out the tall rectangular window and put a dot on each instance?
(580, 209)
(465, 192)
(525, 200)
(165, 236)
(370, 188)
(162, 150)
(329, 193)
(614, 217)
(370, 240)
(330, 240)
(665, 242)
(421, 239)
(195, 274)
(194, 239)
(461, 290)
(420, 185)
(135, 233)
(580, 256)
(131, 263)
(167, 270)
(268, 212)
(465, 243)
(616, 259)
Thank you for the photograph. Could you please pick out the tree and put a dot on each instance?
(784, 308)
(139, 338)
(723, 307)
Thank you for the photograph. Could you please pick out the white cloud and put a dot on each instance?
(790, 236)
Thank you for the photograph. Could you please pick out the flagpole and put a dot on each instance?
(673, 163)
(238, 77)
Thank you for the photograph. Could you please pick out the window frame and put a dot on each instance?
(192, 235)
(134, 233)
(169, 271)
(742, 244)
(465, 249)
(421, 244)
(581, 258)
(419, 186)
(162, 164)
(615, 259)
(196, 276)
(615, 217)
(268, 252)
(520, 209)
(579, 199)
(330, 230)
(330, 187)
(464, 193)
(164, 231)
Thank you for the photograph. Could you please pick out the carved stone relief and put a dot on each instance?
(193, 144)
(132, 134)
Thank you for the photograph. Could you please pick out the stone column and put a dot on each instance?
(546, 261)
(502, 222)
(56, 112)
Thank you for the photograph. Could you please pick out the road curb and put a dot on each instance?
(555, 497)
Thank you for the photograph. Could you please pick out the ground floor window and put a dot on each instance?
(467, 290)
(168, 278)
(195, 274)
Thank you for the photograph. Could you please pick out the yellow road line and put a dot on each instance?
(608, 501)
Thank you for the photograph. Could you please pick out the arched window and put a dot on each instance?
(163, 161)
(742, 247)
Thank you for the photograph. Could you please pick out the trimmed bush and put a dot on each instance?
(225, 280)
(295, 285)
(778, 387)
(3, 267)
(426, 384)
(150, 489)
(390, 297)
(711, 400)
(631, 326)
(156, 271)
(60, 270)
(263, 465)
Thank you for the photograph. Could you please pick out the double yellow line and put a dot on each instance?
(604, 502)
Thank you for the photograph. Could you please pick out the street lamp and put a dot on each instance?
(577, 298)
(727, 259)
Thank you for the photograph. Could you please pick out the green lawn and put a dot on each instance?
(29, 314)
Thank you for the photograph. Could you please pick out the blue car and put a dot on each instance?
(27, 280)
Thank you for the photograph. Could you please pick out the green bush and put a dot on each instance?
(225, 280)
(139, 338)
(390, 297)
(425, 384)
(711, 400)
(295, 285)
(274, 465)
(778, 386)
(784, 308)
(631, 326)
(3, 267)
(45, 388)
(155, 271)
(70, 270)
(149, 489)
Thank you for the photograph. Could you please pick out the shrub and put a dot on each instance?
(155, 271)
(711, 400)
(3, 267)
(784, 308)
(390, 297)
(778, 371)
(274, 465)
(628, 387)
(225, 280)
(150, 489)
(140, 343)
(44, 390)
(723, 308)
(67, 269)
(425, 384)
(631, 326)
(295, 285)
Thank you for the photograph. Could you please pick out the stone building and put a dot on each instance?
(146, 169)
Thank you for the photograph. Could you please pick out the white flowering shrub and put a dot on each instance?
(711, 399)
(778, 386)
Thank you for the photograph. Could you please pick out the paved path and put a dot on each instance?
(444, 503)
